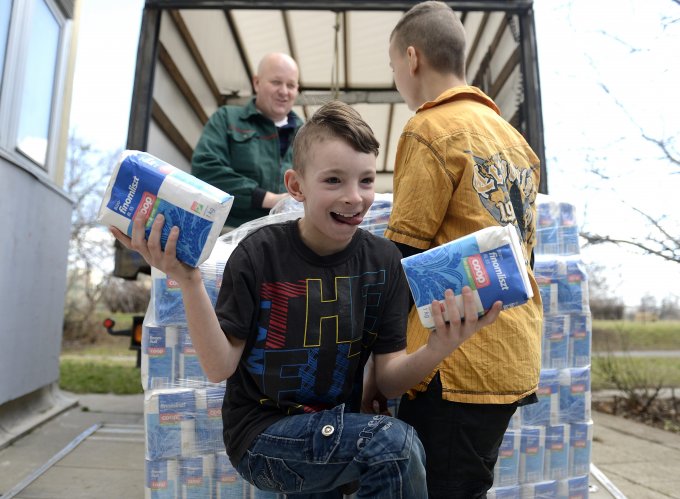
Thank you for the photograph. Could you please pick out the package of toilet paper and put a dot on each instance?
(490, 261)
(506, 471)
(161, 479)
(531, 454)
(228, 483)
(556, 464)
(143, 184)
(170, 423)
(159, 357)
(196, 477)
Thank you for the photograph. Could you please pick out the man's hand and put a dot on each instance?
(447, 336)
(270, 199)
(165, 261)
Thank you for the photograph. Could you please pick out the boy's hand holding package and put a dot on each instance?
(448, 335)
(143, 184)
(151, 250)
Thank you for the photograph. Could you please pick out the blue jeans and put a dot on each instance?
(311, 455)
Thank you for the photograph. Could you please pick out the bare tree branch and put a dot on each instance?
(667, 253)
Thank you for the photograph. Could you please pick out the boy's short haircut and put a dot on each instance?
(435, 29)
(333, 120)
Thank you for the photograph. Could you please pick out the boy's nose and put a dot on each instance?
(352, 195)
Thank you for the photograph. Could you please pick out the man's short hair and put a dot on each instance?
(333, 120)
(435, 30)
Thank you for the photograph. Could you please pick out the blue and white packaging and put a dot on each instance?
(573, 488)
(506, 471)
(196, 477)
(580, 340)
(160, 479)
(547, 224)
(516, 420)
(580, 443)
(546, 410)
(490, 261)
(170, 416)
(556, 465)
(166, 301)
(190, 372)
(227, 483)
(509, 492)
(572, 287)
(209, 437)
(546, 272)
(555, 346)
(575, 395)
(568, 230)
(166, 296)
(531, 455)
(144, 184)
(159, 357)
(541, 490)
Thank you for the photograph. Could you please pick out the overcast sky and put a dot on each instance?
(583, 46)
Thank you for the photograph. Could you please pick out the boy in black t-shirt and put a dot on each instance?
(301, 307)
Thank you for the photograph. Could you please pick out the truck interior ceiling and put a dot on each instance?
(195, 56)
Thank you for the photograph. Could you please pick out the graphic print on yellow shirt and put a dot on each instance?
(507, 192)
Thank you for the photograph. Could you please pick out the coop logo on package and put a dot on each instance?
(145, 207)
(477, 271)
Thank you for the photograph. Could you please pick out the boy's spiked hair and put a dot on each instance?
(333, 120)
(433, 28)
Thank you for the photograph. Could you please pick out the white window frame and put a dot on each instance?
(12, 81)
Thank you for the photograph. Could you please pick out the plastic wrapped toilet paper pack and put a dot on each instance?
(490, 261)
(142, 183)
(170, 423)
(506, 471)
(161, 479)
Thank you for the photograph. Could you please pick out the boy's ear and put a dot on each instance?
(291, 179)
(413, 62)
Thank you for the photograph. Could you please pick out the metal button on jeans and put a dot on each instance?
(327, 430)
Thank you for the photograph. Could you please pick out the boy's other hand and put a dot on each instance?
(165, 261)
(447, 336)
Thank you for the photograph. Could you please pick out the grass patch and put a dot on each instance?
(610, 336)
(635, 372)
(108, 366)
(99, 375)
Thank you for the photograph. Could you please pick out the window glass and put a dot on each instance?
(36, 95)
(5, 12)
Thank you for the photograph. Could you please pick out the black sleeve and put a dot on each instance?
(257, 199)
(236, 300)
(407, 250)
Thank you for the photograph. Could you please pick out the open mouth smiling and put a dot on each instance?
(347, 218)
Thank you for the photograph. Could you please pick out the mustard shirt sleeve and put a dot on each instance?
(422, 192)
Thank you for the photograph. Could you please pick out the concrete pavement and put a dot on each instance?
(95, 449)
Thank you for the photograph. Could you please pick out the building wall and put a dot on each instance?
(35, 216)
(35, 222)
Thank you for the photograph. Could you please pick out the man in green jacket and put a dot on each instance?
(245, 150)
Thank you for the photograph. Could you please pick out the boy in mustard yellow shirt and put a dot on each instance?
(461, 167)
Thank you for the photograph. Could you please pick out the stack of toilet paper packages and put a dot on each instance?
(546, 451)
(563, 284)
(490, 261)
(166, 307)
(208, 476)
(556, 228)
(144, 185)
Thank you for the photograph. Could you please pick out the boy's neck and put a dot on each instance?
(434, 83)
(315, 241)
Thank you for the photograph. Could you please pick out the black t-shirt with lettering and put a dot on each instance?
(310, 323)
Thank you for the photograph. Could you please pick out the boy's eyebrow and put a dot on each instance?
(341, 171)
